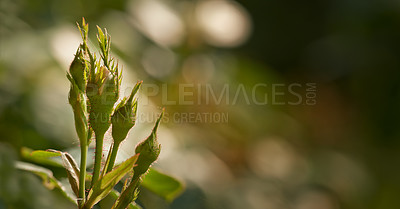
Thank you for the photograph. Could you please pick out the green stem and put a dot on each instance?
(97, 158)
(82, 174)
(113, 156)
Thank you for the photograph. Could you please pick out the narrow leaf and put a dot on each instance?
(41, 157)
(108, 202)
(44, 154)
(72, 161)
(72, 171)
(163, 185)
(128, 195)
(47, 158)
(105, 184)
(47, 176)
(100, 34)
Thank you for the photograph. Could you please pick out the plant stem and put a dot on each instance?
(97, 158)
(82, 174)
(112, 156)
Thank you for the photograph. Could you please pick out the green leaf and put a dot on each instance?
(128, 195)
(84, 30)
(100, 34)
(46, 175)
(45, 158)
(41, 157)
(71, 160)
(105, 184)
(108, 202)
(163, 185)
(44, 154)
(72, 171)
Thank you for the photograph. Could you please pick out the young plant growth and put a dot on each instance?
(94, 91)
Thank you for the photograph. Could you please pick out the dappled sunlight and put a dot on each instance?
(223, 22)
(158, 21)
(268, 104)
(275, 158)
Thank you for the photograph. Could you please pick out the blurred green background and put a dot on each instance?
(341, 152)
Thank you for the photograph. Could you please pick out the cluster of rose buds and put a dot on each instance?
(95, 85)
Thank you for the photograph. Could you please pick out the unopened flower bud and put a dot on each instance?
(77, 100)
(102, 92)
(78, 69)
(149, 150)
(124, 116)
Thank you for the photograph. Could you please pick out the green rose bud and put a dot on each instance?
(102, 92)
(149, 150)
(77, 69)
(77, 100)
(124, 116)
